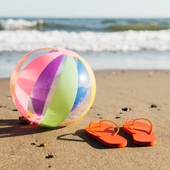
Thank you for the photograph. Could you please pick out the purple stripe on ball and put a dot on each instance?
(43, 84)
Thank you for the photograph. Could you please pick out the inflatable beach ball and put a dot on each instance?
(52, 87)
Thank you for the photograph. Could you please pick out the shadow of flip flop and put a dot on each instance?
(82, 138)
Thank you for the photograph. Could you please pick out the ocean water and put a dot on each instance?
(104, 43)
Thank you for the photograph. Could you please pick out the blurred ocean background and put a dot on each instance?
(123, 44)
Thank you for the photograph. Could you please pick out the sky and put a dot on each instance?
(85, 8)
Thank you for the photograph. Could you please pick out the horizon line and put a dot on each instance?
(165, 17)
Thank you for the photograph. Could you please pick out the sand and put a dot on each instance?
(72, 148)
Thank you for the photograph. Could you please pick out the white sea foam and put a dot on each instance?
(18, 24)
(23, 40)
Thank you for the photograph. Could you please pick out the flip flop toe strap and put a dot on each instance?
(151, 130)
(100, 125)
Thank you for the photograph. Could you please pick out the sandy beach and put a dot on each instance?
(71, 148)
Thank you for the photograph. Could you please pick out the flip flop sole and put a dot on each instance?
(142, 136)
(106, 136)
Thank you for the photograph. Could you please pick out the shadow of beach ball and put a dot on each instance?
(52, 87)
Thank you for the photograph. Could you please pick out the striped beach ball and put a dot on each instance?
(52, 87)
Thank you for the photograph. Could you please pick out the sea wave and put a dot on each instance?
(49, 25)
(137, 27)
(11, 24)
(78, 25)
(24, 40)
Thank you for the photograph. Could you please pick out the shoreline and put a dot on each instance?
(72, 148)
(121, 70)
(100, 61)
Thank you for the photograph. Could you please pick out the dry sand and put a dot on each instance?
(72, 148)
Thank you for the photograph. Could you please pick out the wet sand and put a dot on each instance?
(71, 148)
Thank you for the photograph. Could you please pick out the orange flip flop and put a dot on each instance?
(105, 134)
(142, 133)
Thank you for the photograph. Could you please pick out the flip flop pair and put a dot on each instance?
(142, 133)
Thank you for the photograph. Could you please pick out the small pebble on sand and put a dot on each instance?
(42, 145)
(118, 117)
(2, 106)
(153, 106)
(9, 97)
(49, 156)
(23, 120)
(126, 109)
